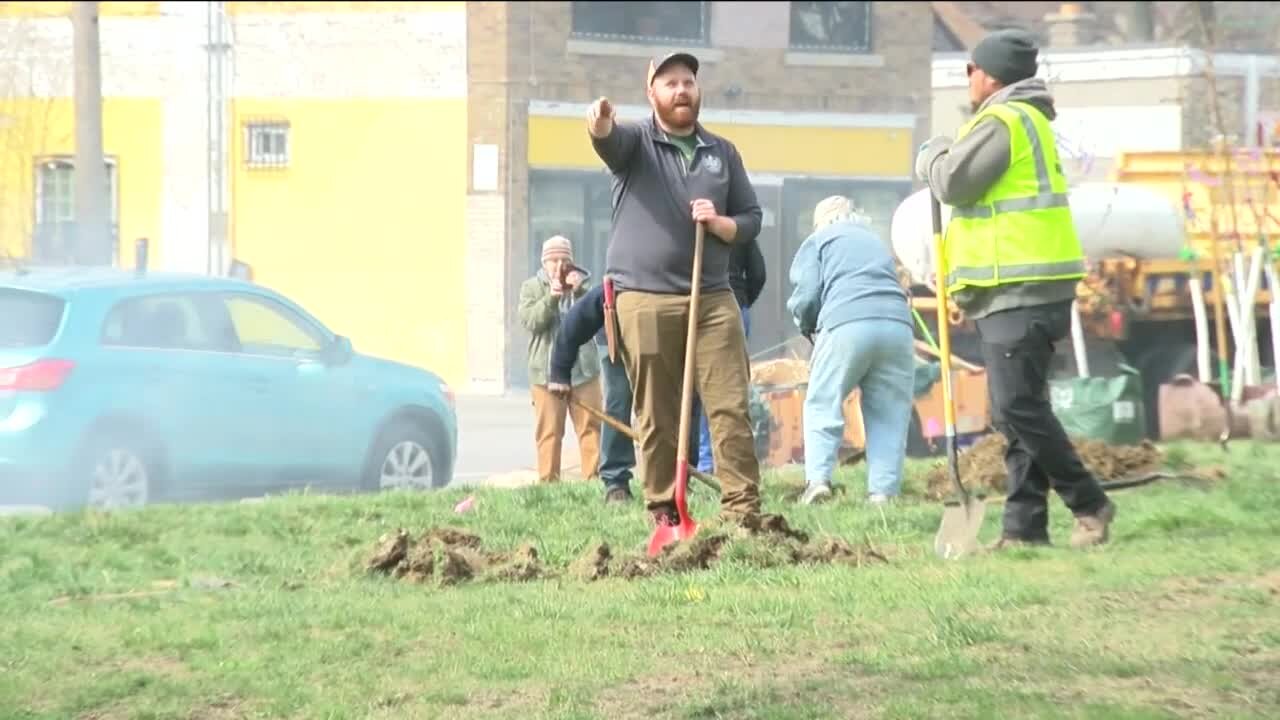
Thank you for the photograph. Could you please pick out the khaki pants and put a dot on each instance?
(654, 328)
(549, 412)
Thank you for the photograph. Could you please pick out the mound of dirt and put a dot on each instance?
(447, 556)
(982, 464)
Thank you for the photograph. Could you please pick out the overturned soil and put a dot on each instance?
(449, 556)
(982, 464)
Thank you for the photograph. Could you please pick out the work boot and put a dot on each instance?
(1094, 529)
(617, 495)
(814, 494)
(664, 515)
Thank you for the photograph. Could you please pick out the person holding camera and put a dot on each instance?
(544, 299)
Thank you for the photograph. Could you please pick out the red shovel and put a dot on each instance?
(664, 535)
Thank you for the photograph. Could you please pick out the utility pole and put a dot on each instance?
(93, 240)
(218, 48)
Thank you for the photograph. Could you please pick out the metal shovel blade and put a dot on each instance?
(664, 535)
(961, 523)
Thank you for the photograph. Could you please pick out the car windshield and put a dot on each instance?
(30, 319)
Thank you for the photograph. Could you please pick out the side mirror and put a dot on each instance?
(339, 351)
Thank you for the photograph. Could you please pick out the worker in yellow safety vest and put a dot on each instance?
(1013, 264)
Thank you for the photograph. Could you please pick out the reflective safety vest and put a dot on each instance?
(1021, 230)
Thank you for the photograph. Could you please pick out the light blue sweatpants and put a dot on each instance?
(876, 356)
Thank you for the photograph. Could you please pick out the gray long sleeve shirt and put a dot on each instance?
(651, 242)
(961, 173)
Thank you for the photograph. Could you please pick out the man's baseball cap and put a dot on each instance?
(658, 65)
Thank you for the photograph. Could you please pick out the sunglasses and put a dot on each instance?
(969, 68)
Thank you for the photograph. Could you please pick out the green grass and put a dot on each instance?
(1177, 617)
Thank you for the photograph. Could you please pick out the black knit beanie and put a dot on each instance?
(1007, 55)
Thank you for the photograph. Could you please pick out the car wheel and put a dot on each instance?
(404, 459)
(116, 473)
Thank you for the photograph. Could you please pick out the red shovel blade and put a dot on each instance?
(664, 535)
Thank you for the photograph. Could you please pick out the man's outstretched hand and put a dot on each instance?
(600, 118)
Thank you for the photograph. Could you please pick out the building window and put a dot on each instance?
(53, 237)
(680, 22)
(877, 198)
(267, 144)
(831, 26)
(577, 205)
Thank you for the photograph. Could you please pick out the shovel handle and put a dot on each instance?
(626, 430)
(944, 349)
(959, 362)
(686, 389)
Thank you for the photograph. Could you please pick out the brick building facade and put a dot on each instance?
(820, 98)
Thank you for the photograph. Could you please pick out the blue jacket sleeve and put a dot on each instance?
(806, 294)
(583, 320)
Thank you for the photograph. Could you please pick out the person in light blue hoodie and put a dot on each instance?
(848, 301)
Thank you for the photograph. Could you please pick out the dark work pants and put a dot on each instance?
(618, 452)
(1017, 347)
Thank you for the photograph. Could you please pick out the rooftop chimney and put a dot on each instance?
(1072, 26)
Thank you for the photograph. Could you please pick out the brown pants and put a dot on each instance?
(654, 328)
(549, 412)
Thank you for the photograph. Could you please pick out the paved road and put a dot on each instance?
(495, 437)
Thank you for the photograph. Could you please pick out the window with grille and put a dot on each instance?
(267, 144)
(831, 26)
(53, 235)
(683, 22)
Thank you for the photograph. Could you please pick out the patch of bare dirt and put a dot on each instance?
(982, 464)
(448, 556)
(158, 665)
(802, 677)
(223, 708)
(1167, 693)
(1269, 583)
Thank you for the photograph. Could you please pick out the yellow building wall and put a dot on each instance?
(63, 9)
(366, 227)
(33, 128)
(561, 142)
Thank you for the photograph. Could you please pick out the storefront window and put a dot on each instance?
(878, 199)
(771, 323)
(575, 205)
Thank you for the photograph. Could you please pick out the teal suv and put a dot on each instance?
(121, 388)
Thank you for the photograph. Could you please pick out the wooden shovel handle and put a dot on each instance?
(958, 362)
(626, 430)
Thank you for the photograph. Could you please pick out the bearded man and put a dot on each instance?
(669, 172)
